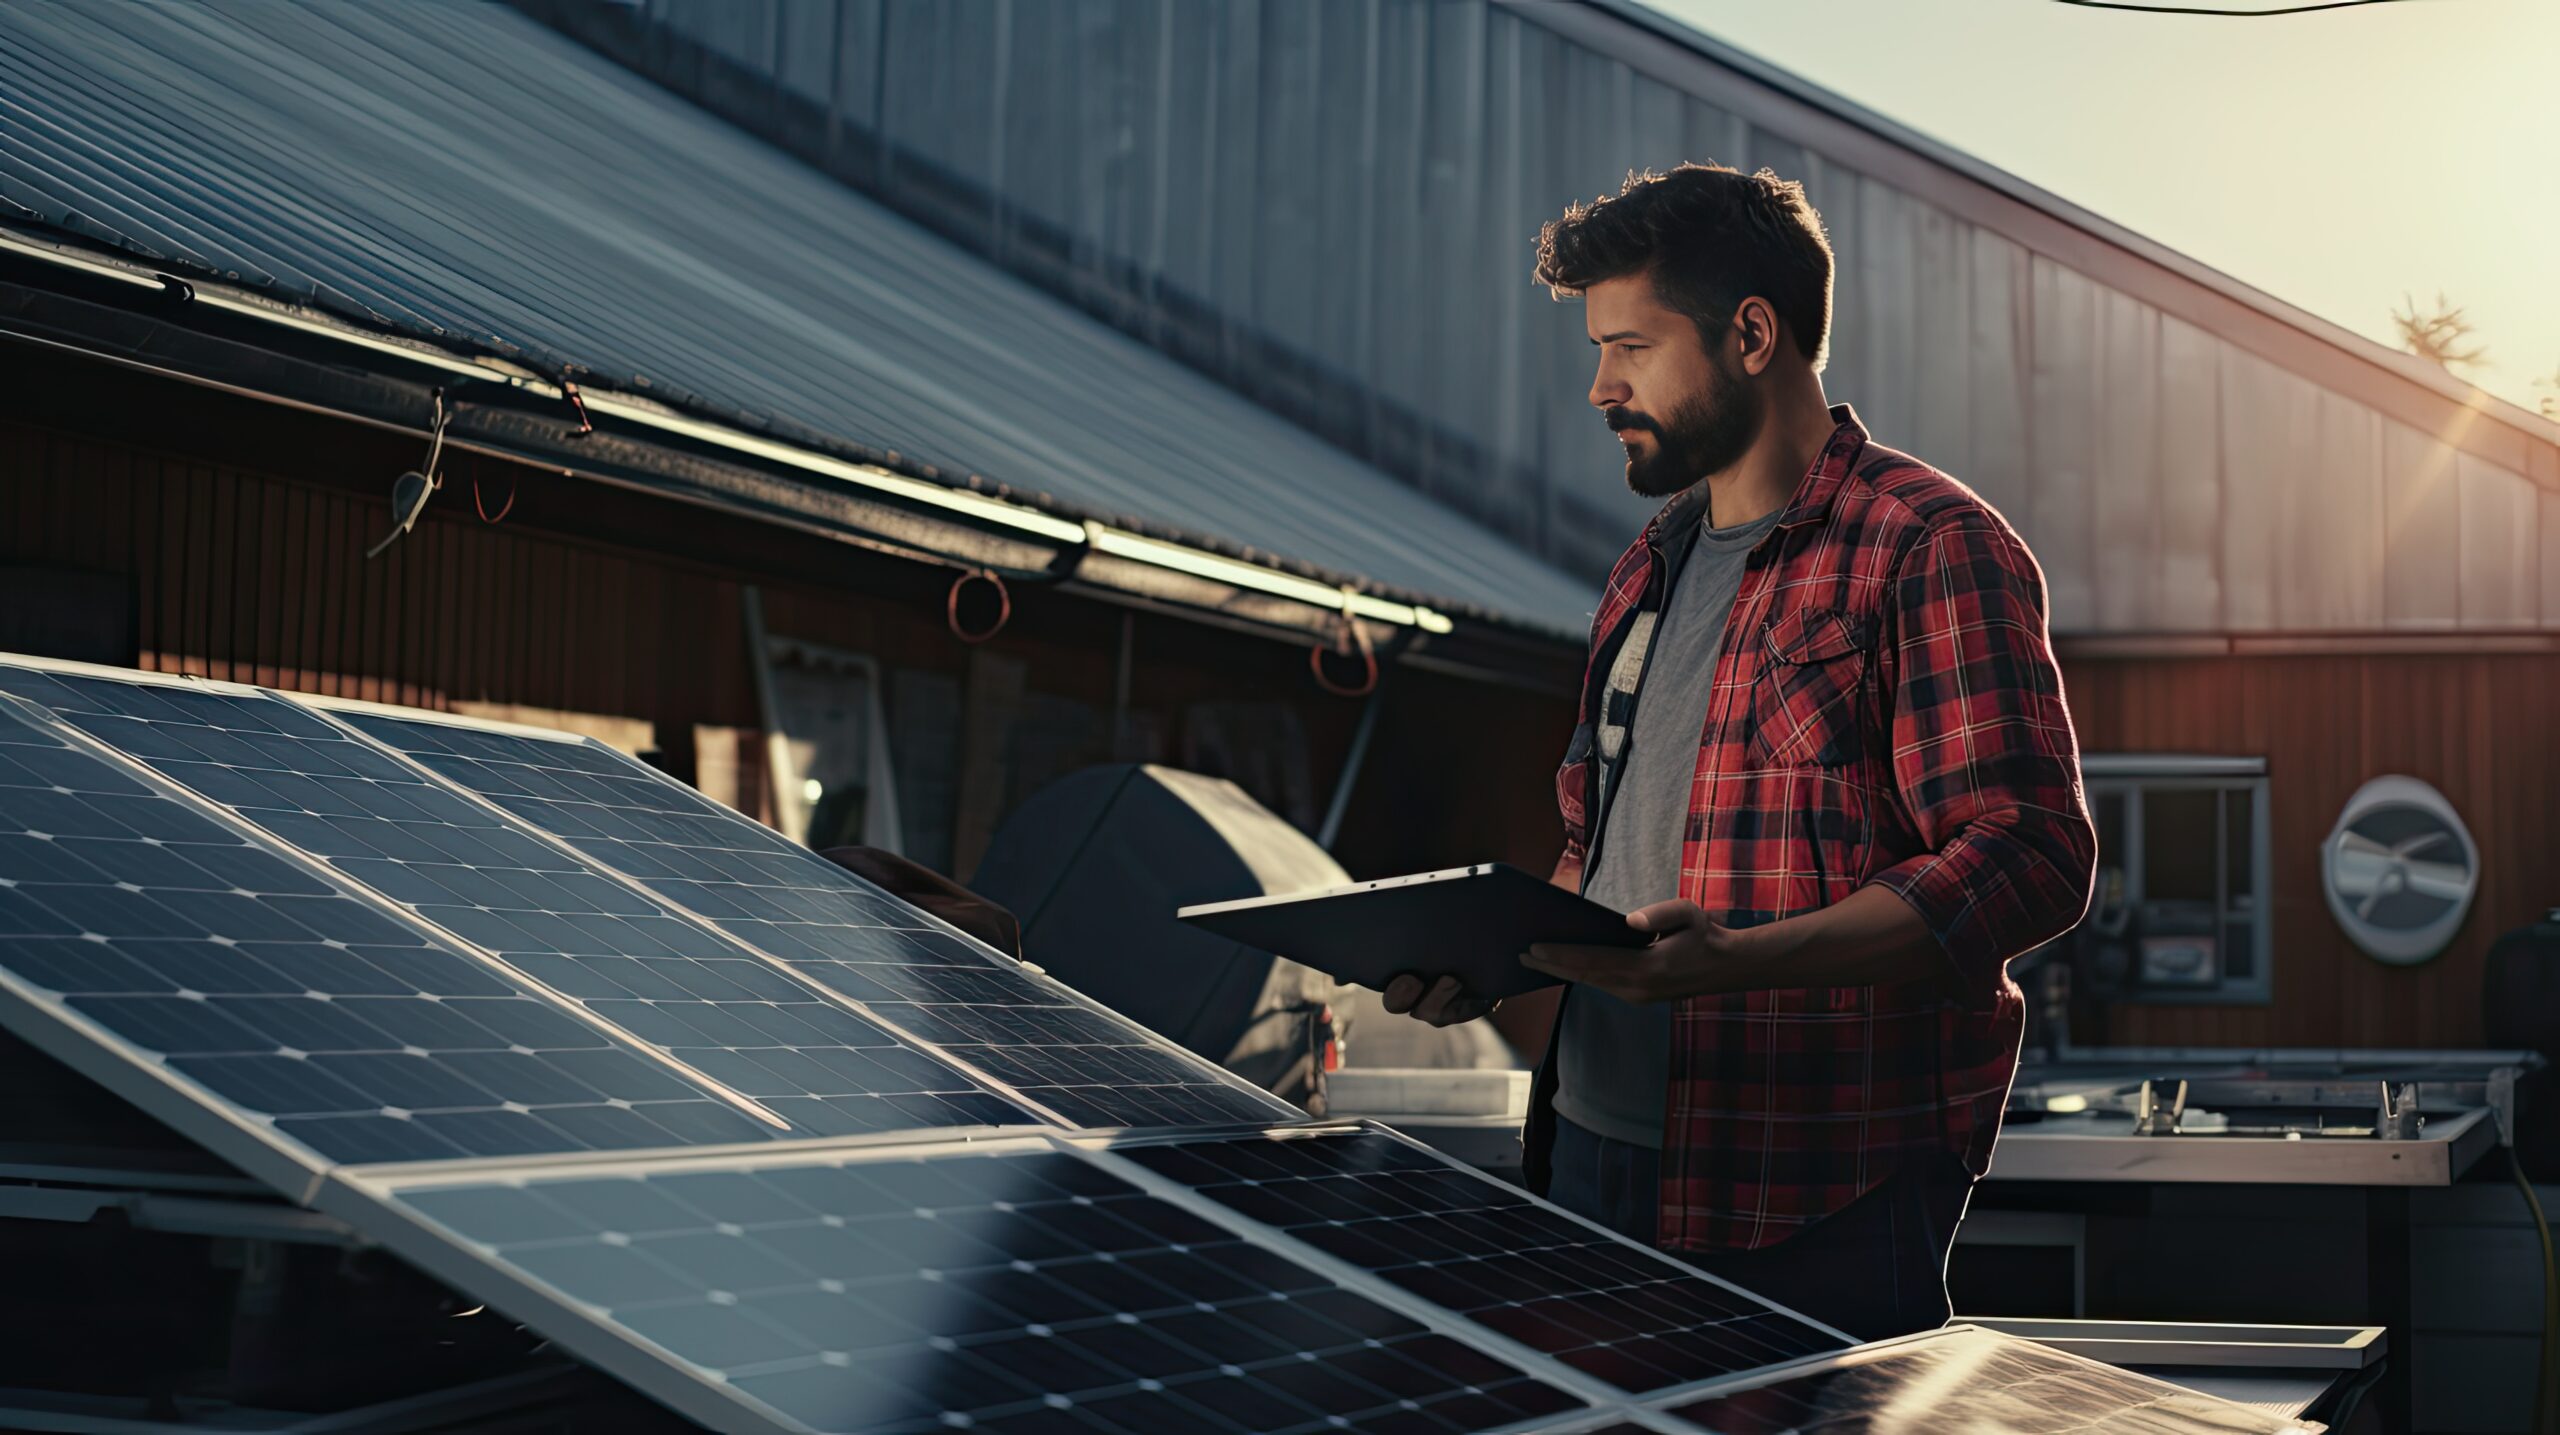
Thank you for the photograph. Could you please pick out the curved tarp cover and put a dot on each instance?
(1096, 864)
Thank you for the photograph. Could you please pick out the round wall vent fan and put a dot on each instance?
(2399, 870)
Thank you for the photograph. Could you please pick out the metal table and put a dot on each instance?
(2259, 1118)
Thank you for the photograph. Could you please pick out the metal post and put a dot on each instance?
(1351, 766)
(790, 808)
(1120, 688)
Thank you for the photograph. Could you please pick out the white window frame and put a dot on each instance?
(792, 807)
(2133, 776)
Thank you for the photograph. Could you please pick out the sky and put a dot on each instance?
(2337, 160)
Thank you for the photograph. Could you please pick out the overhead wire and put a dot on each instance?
(2546, 1388)
(2225, 12)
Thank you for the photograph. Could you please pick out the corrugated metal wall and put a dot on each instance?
(1330, 204)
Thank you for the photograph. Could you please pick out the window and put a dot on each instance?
(834, 785)
(2180, 908)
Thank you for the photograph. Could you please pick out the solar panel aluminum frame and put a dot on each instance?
(330, 709)
(274, 1159)
(1405, 1301)
(371, 1199)
(1618, 1422)
(321, 710)
(1660, 1407)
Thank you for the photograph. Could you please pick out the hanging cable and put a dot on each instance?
(1349, 638)
(569, 391)
(2546, 1396)
(951, 605)
(2142, 9)
(410, 491)
(483, 509)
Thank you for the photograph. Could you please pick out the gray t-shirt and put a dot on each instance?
(1615, 1059)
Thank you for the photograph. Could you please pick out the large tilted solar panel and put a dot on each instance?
(1023, 1290)
(1458, 1238)
(1966, 1380)
(1081, 1061)
(271, 1004)
(809, 1065)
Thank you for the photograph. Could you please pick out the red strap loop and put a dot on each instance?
(951, 606)
(1352, 636)
(483, 509)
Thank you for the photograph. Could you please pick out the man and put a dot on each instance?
(1822, 756)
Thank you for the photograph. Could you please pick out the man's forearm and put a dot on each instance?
(1867, 938)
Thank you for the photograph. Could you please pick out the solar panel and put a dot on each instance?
(809, 1065)
(1965, 1379)
(1601, 1304)
(1022, 1290)
(1088, 1065)
(330, 1027)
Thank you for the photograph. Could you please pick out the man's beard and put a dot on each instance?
(1704, 435)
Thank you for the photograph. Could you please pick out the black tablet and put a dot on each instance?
(1469, 922)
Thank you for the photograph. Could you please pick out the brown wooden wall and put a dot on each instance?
(234, 533)
(2483, 728)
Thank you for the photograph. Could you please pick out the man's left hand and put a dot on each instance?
(1691, 953)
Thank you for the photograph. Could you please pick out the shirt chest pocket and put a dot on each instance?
(1811, 691)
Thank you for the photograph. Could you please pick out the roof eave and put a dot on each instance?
(767, 471)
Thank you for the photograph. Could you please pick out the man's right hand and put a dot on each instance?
(1443, 1003)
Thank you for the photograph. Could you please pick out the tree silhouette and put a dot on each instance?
(2438, 335)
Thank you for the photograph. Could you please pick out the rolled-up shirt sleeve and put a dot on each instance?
(1983, 754)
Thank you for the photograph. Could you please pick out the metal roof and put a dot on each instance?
(463, 174)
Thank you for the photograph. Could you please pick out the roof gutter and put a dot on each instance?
(1336, 601)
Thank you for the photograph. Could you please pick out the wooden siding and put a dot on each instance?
(2477, 726)
(624, 613)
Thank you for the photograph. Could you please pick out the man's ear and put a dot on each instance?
(1756, 329)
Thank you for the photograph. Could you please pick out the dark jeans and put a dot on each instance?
(1875, 1268)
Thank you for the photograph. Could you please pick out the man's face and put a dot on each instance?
(1680, 409)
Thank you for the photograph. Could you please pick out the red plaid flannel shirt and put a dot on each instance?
(1886, 709)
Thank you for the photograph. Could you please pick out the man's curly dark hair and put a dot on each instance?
(1710, 237)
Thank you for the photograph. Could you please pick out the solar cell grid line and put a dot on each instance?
(1014, 1286)
(1964, 1379)
(282, 1018)
(791, 1058)
(1458, 1238)
(1036, 1036)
